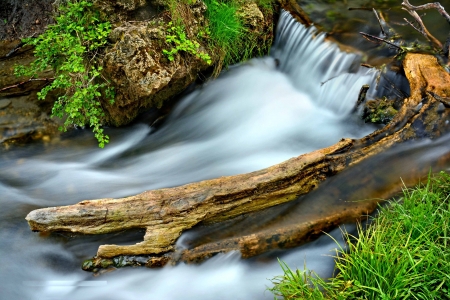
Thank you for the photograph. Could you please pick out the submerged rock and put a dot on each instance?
(4, 103)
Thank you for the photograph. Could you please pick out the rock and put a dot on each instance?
(125, 4)
(379, 111)
(23, 120)
(141, 74)
(24, 18)
(252, 16)
(4, 103)
(118, 10)
(22, 116)
(144, 77)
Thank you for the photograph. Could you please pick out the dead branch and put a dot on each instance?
(360, 8)
(436, 5)
(422, 29)
(376, 39)
(47, 80)
(443, 100)
(379, 22)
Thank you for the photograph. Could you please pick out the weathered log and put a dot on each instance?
(165, 213)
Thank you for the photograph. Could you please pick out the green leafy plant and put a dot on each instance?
(176, 35)
(71, 48)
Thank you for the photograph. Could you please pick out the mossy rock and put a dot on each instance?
(379, 111)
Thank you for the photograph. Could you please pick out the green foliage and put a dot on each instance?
(298, 284)
(403, 254)
(176, 35)
(266, 4)
(228, 34)
(70, 47)
(225, 33)
(226, 28)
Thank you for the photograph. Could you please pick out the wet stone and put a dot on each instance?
(4, 103)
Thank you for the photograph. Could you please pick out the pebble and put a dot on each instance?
(4, 103)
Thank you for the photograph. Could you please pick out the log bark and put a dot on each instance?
(166, 213)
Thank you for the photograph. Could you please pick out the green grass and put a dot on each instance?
(266, 4)
(403, 254)
(226, 29)
(225, 34)
(229, 36)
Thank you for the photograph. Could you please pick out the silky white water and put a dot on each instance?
(253, 116)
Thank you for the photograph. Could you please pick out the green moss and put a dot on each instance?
(266, 4)
(379, 111)
(88, 265)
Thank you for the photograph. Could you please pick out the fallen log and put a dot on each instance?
(166, 213)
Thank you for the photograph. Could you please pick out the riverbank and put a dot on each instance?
(402, 254)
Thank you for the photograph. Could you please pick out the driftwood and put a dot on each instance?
(165, 213)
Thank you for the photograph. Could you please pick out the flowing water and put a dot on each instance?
(255, 115)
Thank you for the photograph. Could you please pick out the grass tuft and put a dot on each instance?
(226, 34)
(226, 30)
(403, 254)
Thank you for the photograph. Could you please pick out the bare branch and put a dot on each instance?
(359, 8)
(24, 82)
(411, 9)
(436, 5)
(373, 38)
(379, 22)
(415, 27)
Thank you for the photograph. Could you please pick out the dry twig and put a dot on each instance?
(379, 22)
(48, 80)
(373, 38)
(412, 10)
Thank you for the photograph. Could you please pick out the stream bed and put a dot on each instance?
(254, 115)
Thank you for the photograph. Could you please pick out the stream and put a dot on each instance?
(254, 115)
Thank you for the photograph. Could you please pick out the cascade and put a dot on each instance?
(254, 115)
